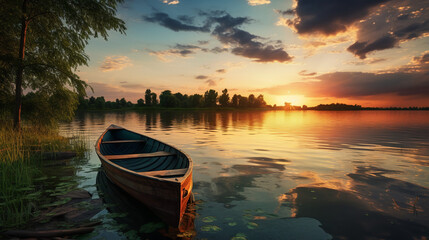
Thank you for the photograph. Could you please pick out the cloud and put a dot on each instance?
(184, 51)
(211, 82)
(170, 2)
(218, 50)
(201, 77)
(410, 80)
(203, 42)
(244, 43)
(422, 60)
(306, 73)
(173, 24)
(362, 48)
(179, 50)
(379, 25)
(285, 12)
(391, 39)
(328, 17)
(113, 63)
(222, 70)
(368, 61)
(258, 2)
(227, 31)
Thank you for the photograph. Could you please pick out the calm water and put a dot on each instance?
(279, 175)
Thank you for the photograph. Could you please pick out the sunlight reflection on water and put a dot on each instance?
(334, 173)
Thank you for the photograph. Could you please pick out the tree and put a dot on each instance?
(252, 100)
(210, 98)
(100, 102)
(42, 108)
(92, 101)
(47, 43)
(224, 98)
(235, 100)
(195, 100)
(153, 99)
(260, 102)
(148, 97)
(123, 102)
(166, 99)
(140, 102)
(242, 101)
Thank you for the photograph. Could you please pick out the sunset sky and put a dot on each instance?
(367, 52)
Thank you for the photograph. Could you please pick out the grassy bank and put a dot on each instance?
(21, 183)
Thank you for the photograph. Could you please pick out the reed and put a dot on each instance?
(20, 164)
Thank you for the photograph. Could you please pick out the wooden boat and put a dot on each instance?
(155, 173)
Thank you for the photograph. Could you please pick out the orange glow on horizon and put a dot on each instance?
(295, 100)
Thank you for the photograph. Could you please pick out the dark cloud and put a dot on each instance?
(408, 32)
(226, 30)
(306, 73)
(263, 53)
(176, 25)
(423, 59)
(395, 23)
(244, 43)
(186, 19)
(211, 83)
(369, 61)
(181, 50)
(328, 17)
(221, 70)
(201, 42)
(413, 30)
(362, 48)
(359, 84)
(218, 50)
(381, 24)
(410, 80)
(403, 16)
(285, 12)
(201, 77)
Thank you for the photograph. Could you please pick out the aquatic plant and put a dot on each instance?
(21, 183)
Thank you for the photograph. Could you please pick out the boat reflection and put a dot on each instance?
(136, 217)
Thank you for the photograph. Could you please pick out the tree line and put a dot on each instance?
(167, 99)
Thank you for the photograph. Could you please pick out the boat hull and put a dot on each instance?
(167, 198)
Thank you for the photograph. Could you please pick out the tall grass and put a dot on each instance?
(20, 164)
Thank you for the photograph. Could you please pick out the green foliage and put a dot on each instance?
(176, 100)
(224, 98)
(43, 108)
(148, 97)
(166, 99)
(235, 100)
(210, 98)
(55, 39)
(140, 102)
(19, 169)
(153, 100)
(195, 100)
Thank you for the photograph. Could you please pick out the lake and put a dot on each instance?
(277, 174)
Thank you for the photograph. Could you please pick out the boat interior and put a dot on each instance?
(142, 154)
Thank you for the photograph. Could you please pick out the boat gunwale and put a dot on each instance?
(177, 180)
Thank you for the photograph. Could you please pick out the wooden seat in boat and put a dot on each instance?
(125, 141)
(139, 155)
(165, 173)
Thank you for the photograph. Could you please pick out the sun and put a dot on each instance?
(295, 100)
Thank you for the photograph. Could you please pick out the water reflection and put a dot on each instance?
(135, 219)
(368, 205)
(339, 170)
